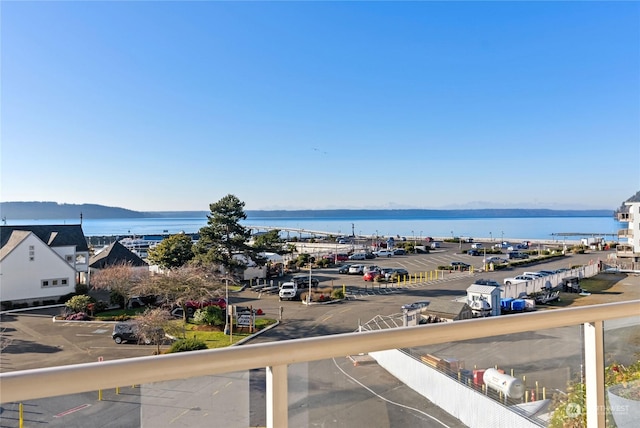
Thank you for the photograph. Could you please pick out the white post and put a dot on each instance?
(277, 397)
(594, 373)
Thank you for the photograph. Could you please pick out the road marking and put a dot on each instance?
(179, 416)
(73, 410)
(326, 318)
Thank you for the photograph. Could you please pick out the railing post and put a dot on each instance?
(277, 397)
(594, 373)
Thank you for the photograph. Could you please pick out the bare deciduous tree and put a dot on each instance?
(184, 284)
(152, 325)
(120, 279)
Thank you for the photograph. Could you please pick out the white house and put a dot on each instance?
(41, 262)
(628, 249)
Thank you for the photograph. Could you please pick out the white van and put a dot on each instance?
(435, 245)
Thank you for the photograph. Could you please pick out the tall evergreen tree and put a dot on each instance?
(224, 241)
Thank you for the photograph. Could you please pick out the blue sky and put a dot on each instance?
(158, 106)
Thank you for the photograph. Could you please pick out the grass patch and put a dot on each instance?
(214, 338)
(595, 285)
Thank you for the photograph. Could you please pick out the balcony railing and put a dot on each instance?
(625, 217)
(276, 357)
(624, 249)
(625, 233)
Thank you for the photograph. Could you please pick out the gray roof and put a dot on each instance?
(483, 289)
(115, 254)
(52, 235)
(449, 307)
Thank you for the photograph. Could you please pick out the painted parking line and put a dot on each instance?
(72, 410)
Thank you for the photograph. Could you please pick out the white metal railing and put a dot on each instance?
(275, 357)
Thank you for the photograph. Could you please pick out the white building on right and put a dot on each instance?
(628, 248)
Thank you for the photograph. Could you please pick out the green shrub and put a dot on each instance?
(48, 302)
(78, 303)
(210, 315)
(6, 305)
(337, 294)
(185, 345)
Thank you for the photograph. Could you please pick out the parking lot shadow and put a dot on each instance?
(18, 346)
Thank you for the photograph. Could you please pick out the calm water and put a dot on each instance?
(496, 228)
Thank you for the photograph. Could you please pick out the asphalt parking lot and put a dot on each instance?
(36, 341)
(39, 342)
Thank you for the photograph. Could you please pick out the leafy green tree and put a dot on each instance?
(172, 252)
(224, 238)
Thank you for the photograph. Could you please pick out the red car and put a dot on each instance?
(370, 276)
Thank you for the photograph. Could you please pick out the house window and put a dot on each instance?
(32, 253)
(81, 259)
(55, 282)
(69, 259)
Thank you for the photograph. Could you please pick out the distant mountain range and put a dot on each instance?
(54, 210)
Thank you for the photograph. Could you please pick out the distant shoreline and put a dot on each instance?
(53, 211)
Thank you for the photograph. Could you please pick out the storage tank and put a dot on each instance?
(508, 385)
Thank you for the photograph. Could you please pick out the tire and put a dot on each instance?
(508, 283)
(118, 340)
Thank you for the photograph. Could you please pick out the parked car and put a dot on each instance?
(372, 275)
(401, 271)
(344, 269)
(358, 256)
(495, 260)
(303, 279)
(386, 272)
(518, 279)
(370, 268)
(491, 282)
(356, 269)
(384, 253)
(474, 252)
(399, 252)
(518, 255)
(476, 245)
(547, 272)
(460, 265)
(369, 255)
(416, 305)
(342, 257)
(129, 331)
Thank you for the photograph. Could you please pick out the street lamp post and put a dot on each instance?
(491, 236)
(501, 237)
(309, 294)
(226, 308)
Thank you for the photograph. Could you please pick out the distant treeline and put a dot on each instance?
(53, 210)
